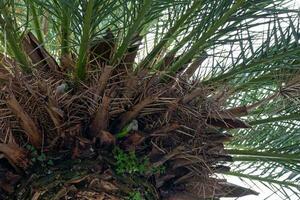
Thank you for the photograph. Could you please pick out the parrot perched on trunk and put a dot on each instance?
(132, 126)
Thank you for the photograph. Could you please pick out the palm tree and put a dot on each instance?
(148, 99)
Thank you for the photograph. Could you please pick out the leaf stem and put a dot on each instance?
(83, 49)
(170, 34)
(294, 116)
(262, 179)
(36, 21)
(13, 40)
(200, 45)
(131, 32)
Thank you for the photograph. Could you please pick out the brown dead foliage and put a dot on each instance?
(175, 121)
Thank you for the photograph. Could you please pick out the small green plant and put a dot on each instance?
(129, 163)
(159, 170)
(38, 158)
(135, 196)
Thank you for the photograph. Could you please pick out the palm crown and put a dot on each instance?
(190, 75)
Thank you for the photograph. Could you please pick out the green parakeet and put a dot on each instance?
(132, 126)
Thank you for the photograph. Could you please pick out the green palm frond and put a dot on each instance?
(246, 50)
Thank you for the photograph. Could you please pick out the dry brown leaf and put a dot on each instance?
(37, 195)
(108, 186)
(31, 130)
(17, 156)
(88, 195)
(229, 123)
(67, 63)
(133, 112)
(106, 138)
(8, 181)
(103, 48)
(133, 140)
(181, 196)
(100, 122)
(102, 185)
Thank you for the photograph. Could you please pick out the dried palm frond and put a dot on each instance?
(74, 118)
